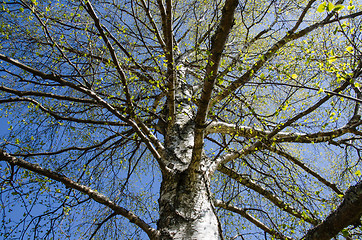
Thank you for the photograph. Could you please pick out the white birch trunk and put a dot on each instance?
(186, 210)
(186, 206)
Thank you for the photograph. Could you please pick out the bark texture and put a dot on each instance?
(186, 209)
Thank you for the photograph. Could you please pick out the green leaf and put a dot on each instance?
(294, 76)
(338, 7)
(358, 173)
(320, 91)
(330, 7)
(332, 59)
(345, 233)
(349, 49)
(321, 8)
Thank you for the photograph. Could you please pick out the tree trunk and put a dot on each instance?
(186, 206)
(186, 209)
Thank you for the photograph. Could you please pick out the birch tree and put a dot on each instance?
(181, 119)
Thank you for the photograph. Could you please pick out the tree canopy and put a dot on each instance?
(167, 119)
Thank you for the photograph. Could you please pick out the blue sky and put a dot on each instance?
(3, 126)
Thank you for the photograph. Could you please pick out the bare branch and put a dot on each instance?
(93, 194)
(57, 116)
(142, 130)
(69, 149)
(120, 71)
(305, 168)
(154, 26)
(259, 144)
(256, 222)
(267, 194)
(48, 95)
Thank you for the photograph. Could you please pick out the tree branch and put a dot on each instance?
(93, 194)
(217, 46)
(152, 143)
(267, 194)
(154, 26)
(349, 212)
(48, 95)
(307, 169)
(170, 74)
(70, 148)
(250, 132)
(259, 144)
(59, 117)
(256, 222)
(111, 50)
(290, 36)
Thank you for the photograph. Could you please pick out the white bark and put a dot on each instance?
(250, 132)
(186, 210)
(186, 206)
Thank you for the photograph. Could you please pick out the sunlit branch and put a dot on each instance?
(154, 26)
(138, 125)
(99, 225)
(27, 68)
(305, 168)
(170, 73)
(357, 109)
(54, 43)
(257, 133)
(144, 76)
(236, 58)
(247, 182)
(309, 88)
(346, 83)
(166, 18)
(111, 50)
(301, 17)
(136, 64)
(260, 144)
(96, 196)
(256, 222)
(349, 16)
